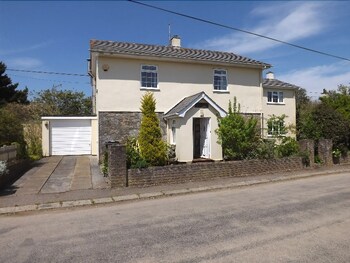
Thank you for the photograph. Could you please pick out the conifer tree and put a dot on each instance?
(153, 149)
(8, 92)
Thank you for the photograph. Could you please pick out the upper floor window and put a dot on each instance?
(149, 76)
(220, 79)
(275, 96)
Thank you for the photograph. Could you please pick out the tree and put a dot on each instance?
(8, 92)
(338, 100)
(62, 102)
(323, 121)
(302, 101)
(237, 135)
(152, 148)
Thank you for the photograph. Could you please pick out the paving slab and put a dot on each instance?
(36, 179)
(97, 178)
(61, 178)
(82, 174)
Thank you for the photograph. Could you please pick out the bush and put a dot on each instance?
(11, 129)
(237, 135)
(32, 137)
(266, 149)
(288, 147)
(133, 155)
(104, 166)
(3, 168)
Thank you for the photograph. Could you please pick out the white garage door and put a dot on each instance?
(70, 137)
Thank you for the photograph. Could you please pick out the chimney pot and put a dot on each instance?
(270, 75)
(175, 41)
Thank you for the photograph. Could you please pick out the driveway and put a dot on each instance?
(58, 174)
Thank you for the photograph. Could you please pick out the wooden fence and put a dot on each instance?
(8, 153)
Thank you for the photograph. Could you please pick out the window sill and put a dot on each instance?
(221, 91)
(155, 89)
(269, 136)
(276, 103)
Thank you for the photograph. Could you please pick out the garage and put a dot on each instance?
(68, 135)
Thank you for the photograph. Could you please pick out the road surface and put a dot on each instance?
(294, 221)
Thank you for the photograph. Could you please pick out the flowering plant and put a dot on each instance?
(336, 153)
(3, 168)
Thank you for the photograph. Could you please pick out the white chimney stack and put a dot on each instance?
(270, 75)
(175, 41)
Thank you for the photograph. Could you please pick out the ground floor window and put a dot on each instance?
(275, 128)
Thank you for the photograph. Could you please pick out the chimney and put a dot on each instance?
(175, 41)
(270, 75)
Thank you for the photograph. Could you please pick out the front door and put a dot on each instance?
(201, 138)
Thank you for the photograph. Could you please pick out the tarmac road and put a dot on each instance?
(292, 221)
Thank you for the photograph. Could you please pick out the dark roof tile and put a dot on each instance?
(172, 53)
(275, 83)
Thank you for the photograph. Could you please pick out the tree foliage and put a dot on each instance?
(8, 91)
(322, 121)
(152, 148)
(62, 102)
(237, 134)
(302, 101)
(11, 129)
(338, 100)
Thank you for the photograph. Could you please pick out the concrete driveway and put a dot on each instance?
(58, 174)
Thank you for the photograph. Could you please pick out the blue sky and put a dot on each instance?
(54, 36)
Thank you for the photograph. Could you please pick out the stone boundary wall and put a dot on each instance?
(204, 171)
(15, 171)
(8, 153)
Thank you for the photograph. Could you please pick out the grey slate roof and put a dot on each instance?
(185, 103)
(275, 83)
(172, 53)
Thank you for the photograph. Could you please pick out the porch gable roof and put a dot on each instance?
(180, 109)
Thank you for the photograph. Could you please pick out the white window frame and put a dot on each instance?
(149, 71)
(279, 126)
(275, 94)
(217, 74)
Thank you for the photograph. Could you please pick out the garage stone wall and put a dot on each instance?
(205, 171)
(118, 126)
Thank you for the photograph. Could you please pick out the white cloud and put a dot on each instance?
(288, 22)
(24, 49)
(315, 79)
(24, 63)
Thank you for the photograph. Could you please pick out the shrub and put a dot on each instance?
(3, 168)
(32, 137)
(288, 147)
(104, 166)
(266, 149)
(151, 146)
(11, 129)
(133, 155)
(237, 135)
